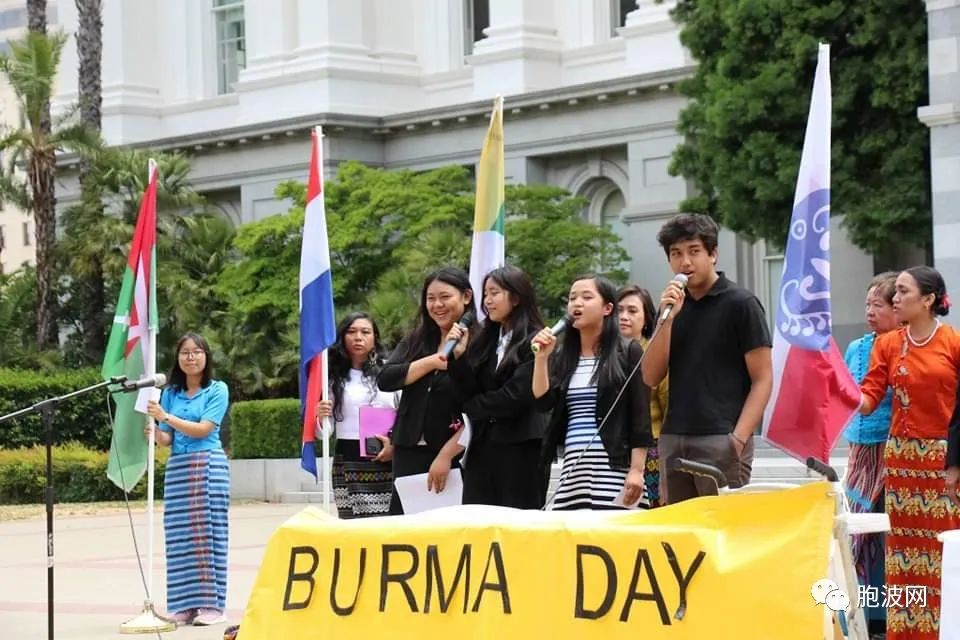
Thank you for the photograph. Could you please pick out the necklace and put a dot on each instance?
(925, 341)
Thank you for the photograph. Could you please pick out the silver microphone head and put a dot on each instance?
(681, 278)
(161, 380)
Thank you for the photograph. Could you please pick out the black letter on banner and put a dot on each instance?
(643, 559)
(337, 609)
(500, 585)
(683, 581)
(580, 611)
(296, 577)
(433, 566)
(387, 577)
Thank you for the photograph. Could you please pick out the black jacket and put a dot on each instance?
(427, 407)
(499, 401)
(628, 426)
(953, 437)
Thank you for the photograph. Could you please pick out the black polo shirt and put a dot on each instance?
(709, 381)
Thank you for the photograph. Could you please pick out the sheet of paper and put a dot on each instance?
(416, 499)
(464, 439)
(144, 396)
(950, 585)
(620, 497)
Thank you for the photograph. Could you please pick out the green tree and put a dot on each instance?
(31, 68)
(750, 94)
(387, 231)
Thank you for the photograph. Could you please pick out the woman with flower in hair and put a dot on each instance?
(920, 362)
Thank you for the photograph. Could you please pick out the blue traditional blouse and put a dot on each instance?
(210, 403)
(874, 428)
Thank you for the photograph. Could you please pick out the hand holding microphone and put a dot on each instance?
(546, 339)
(672, 299)
(455, 336)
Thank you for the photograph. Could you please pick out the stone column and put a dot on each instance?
(942, 115)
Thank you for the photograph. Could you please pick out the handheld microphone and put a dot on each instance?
(681, 279)
(156, 380)
(556, 330)
(464, 322)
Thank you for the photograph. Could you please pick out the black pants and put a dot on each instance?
(409, 461)
(504, 475)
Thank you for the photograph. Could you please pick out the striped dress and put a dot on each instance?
(589, 483)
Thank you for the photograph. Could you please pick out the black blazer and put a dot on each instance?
(427, 407)
(628, 426)
(953, 437)
(499, 401)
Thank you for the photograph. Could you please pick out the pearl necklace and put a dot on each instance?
(926, 340)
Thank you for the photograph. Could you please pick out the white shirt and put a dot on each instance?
(358, 392)
(502, 344)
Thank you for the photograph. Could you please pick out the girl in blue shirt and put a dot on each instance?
(196, 487)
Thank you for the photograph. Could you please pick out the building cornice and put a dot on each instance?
(939, 115)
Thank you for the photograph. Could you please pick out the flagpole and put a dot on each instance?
(324, 370)
(151, 366)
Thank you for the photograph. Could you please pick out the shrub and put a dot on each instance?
(265, 428)
(83, 419)
(79, 475)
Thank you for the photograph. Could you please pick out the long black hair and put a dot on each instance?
(341, 363)
(609, 370)
(646, 302)
(177, 377)
(524, 321)
(426, 337)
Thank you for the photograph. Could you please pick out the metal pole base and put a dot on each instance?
(148, 622)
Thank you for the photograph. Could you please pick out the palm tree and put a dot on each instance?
(31, 68)
(90, 53)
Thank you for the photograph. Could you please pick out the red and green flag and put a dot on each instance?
(130, 350)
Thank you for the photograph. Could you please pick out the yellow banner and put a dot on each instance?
(737, 566)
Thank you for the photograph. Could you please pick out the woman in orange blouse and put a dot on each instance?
(920, 361)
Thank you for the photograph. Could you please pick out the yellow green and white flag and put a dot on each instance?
(487, 252)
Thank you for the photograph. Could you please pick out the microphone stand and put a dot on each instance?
(46, 409)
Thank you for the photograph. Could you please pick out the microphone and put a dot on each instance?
(156, 380)
(681, 279)
(556, 330)
(464, 322)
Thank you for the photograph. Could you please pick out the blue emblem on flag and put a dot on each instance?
(803, 310)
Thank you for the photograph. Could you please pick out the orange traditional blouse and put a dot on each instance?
(924, 381)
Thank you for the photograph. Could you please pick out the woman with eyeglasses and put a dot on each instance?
(362, 485)
(196, 486)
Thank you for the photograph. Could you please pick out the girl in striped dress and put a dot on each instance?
(196, 486)
(602, 425)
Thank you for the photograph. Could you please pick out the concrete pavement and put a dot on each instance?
(97, 581)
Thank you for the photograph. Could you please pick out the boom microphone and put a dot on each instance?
(681, 279)
(156, 380)
(556, 330)
(464, 323)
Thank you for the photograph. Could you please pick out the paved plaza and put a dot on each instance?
(97, 582)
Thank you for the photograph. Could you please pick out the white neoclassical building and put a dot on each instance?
(589, 87)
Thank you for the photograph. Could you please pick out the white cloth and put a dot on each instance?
(358, 392)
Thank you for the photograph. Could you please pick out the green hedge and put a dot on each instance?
(79, 475)
(265, 429)
(83, 419)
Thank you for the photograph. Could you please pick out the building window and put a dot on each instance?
(618, 13)
(26, 234)
(13, 19)
(231, 44)
(476, 14)
(3, 239)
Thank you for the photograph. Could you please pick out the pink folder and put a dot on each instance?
(374, 421)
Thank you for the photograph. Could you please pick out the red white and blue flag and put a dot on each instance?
(318, 330)
(814, 396)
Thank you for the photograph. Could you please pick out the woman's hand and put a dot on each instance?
(545, 341)
(953, 484)
(324, 409)
(633, 487)
(436, 362)
(155, 411)
(461, 335)
(386, 454)
(437, 476)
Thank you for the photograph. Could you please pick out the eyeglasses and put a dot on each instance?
(192, 355)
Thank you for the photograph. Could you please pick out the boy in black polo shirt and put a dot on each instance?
(716, 349)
